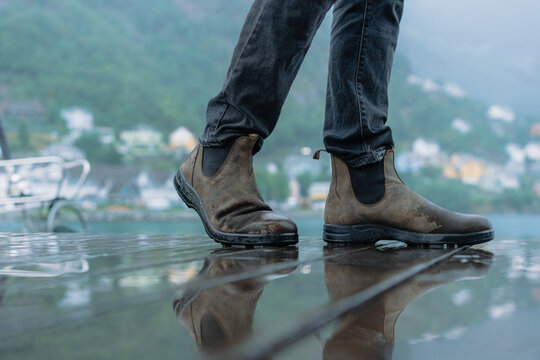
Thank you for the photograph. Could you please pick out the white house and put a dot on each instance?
(425, 148)
(532, 149)
(461, 125)
(515, 152)
(454, 90)
(503, 113)
(77, 119)
(156, 194)
(406, 161)
(142, 137)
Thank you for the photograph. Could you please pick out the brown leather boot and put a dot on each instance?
(401, 214)
(229, 204)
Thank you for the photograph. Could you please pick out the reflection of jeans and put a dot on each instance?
(272, 45)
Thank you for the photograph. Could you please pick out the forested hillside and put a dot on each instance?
(158, 63)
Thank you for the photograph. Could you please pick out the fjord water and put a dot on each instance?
(506, 226)
(514, 226)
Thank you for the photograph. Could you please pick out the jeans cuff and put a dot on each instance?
(212, 143)
(371, 157)
(224, 141)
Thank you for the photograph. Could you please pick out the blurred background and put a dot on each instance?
(125, 83)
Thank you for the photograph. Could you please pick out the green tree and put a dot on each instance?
(97, 152)
(273, 186)
(23, 137)
(305, 179)
(279, 186)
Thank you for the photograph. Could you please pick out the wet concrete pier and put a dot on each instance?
(89, 296)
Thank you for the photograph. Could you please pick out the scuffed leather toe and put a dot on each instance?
(476, 223)
(267, 222)
(456, 223)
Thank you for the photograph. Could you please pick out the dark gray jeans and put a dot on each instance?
(272, 45)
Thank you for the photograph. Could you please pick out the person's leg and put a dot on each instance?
(217, 179)
(271, 48)
(367, 199)
(364, 38)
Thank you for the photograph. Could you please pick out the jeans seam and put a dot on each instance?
(259, 15)
(358, 78)
(218, 123)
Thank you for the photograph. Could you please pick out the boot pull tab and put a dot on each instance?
(317, 154)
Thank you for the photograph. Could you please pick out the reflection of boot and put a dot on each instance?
(400, 214)
(230, 206)
(368, 332)
(222, 315)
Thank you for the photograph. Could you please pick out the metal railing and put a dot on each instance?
(24, 196)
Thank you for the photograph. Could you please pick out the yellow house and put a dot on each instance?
(318, 191)
(450, 172)
(182, 138)
(472, 171)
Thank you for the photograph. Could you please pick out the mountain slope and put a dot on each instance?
(134, 61)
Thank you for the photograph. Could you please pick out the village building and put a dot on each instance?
(142, 140)
(182, 139)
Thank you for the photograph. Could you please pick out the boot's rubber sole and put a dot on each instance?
(193, 201)
(369, 234)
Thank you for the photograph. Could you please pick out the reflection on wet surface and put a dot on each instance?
(368, 331)
(136, 296)
(220, 316)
